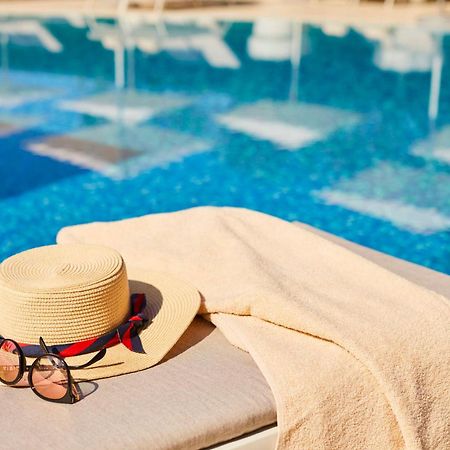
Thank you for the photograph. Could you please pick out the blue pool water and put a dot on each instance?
(344, 129)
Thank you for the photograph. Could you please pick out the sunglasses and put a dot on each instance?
(49, 376)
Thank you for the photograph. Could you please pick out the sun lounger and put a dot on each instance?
(205, 393)
(287, 125)
(129, 106)
(12, 123)
(395, 202)
(435, 147)
(118, 151)
(32, 32)
(179, 38)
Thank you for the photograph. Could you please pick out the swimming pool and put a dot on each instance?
(345, 129)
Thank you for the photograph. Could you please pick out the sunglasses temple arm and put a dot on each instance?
(43, 345)
(95, 359)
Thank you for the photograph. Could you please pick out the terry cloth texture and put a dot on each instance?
(356, 356)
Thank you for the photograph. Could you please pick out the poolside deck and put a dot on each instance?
(313, 11)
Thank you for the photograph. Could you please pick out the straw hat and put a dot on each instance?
(74, 292)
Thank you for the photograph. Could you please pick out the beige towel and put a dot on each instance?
(357, 357)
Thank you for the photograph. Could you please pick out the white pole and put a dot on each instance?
(296, 56)
(435, 87)
(119, 67)
(5, 57)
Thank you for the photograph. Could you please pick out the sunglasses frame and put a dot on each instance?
(71, 395)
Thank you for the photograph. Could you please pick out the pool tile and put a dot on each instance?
(159, 145)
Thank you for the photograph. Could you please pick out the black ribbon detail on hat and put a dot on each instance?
(127, 334)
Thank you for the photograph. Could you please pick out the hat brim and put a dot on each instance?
(172, 305)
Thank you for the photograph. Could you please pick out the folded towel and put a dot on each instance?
(357, 357)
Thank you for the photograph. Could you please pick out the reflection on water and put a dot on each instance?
(344, 128)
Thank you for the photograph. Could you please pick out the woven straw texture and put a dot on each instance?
(69, 293)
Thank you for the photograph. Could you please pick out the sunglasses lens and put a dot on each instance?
(9, 362)
(49, 377)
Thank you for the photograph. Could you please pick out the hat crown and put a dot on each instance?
(64, 293)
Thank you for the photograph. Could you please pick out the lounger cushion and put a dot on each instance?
(204, 392)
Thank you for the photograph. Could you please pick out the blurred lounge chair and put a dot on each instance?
(14, 93)
(404, 200)
(182, 36)
(117, 151)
